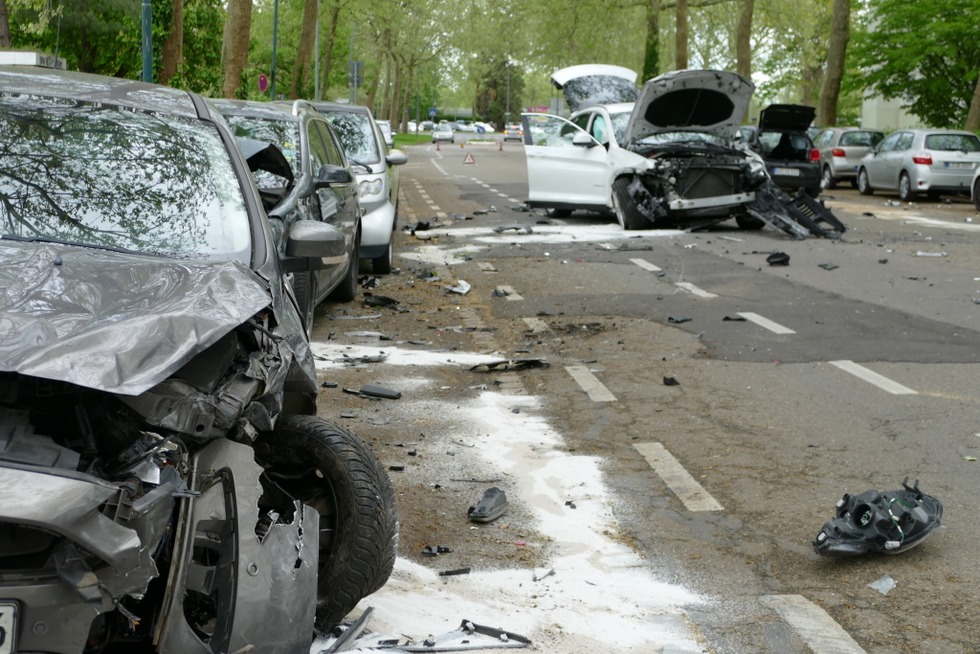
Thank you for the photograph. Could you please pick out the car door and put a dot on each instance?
(335, 204)
(877, 162)
(565, 165)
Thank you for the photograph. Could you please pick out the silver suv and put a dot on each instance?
(841, 150)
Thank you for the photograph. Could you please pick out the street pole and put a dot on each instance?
(507, 108)
(275, 37)
(147, 25)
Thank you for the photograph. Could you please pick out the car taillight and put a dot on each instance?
(838, 152)
(814, 154)
(922, 158)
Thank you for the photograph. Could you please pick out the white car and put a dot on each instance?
(663, 157)
(975, 188)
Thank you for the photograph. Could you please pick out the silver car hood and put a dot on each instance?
(709, 101)
(589, 84)
(115, 322)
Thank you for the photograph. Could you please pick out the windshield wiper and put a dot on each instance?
(362, 165)
(58, 241)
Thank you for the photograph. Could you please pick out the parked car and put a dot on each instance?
(666, 159)
(513, 132)
(165, 484)
(841, 150)
(387, 132)
(444, 133)
(376, 169)
(319, 185)
(782, 140)
(914, 161)
(975, 188)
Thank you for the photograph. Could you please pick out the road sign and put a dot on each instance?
(432, 112)
(263, 82)
(469, 158)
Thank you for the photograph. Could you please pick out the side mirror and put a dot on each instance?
(396, 158)
(583, 140)
(312, 245)
(331, 175)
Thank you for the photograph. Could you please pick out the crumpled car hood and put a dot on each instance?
(590, 84)
(709, 101)
(115, 322)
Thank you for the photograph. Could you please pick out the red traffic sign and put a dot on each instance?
(263, 82)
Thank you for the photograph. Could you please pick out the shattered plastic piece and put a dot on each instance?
(921, 253)
(345, 642)
(829, 266)
(328, 384)
(778, 259)
(670, 381)
(735, 318)
(504, 365)
(492, 505)
(462, 287)
(454, 572)
(535, 577)
(518, 228)
(887, 521)
(677, 319)
(373, 300)
(373, 390)
(883, 584)
(469, 636)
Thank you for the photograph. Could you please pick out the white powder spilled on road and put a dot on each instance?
(602, 596)
(338, 355)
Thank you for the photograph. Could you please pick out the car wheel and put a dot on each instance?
(905, 193)
(627, 214)
(749, 223)
(336, 473)
(381, 265)
(863, 185)
(347, 290)
(828, 181)
(557, 213)
(306, 288)
(976, 193)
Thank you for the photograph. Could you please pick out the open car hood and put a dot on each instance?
(710, 101)
(793, 117)
(115, 322)
(590, 84)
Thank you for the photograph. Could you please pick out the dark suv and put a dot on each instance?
(318, 185)
(782, 140)
(165, 483)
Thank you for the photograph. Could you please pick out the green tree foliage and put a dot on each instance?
(501, 82)
(925, 54)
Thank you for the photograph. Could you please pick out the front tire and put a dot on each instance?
(863, 185)
(627, 214)
(976, 193)
(828, 181)
(382, 264)
(336, 473)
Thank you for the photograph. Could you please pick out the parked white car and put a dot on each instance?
(667, 158)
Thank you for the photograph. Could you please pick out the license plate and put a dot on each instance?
(788, 172)
(965, 165)
(8, 627)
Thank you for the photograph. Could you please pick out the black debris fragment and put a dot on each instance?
(526, 229)
(328, 384)
(535, 576)
(373, 390)
(372, 300)
(435, 550)
(882, 260)
(829, 266)
(521, 208)
(452, 573)
(491, 506)
(396, 467)
(499, 292)
(778, 259)
(671, 381)
(503, 365)
(677, 319)
(735, 318)
(887, 521)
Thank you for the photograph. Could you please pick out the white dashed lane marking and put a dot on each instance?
(590, 384)
(874, 378)
(694, 290)
(680, 481)
(646, 265)
(814, 625)
(772, 326)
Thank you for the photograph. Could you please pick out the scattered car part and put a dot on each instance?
(469, 636)
(373, 390)
(778, 259)
(887, 521)
(454, 572)
(504, 365)
(491, 506)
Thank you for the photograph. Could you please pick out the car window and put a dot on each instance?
(552, 131)
(334, 151)
(357, 135)
(904, 141)
(283, 133)
(101, 175)
(619, 122)
(953, 142)
(888, 144)
(861, 138)
(600, 128)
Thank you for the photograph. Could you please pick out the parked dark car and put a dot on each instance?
(781, 138)
(841, 150)
(165, 483)
(376, 169)
(319, 185)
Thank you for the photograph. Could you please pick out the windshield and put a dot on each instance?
(357, 135)
(619, 122)
(691, 138)
(104, 176)
(283, 133)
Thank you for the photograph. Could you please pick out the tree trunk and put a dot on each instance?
(651, 55)
(328, 49)
(394, 111)
(743, 39)
(304, 49)
(234, 49)
(4, 25)
(840, 32)
(681, 57)
(173, 45)
(973, 117)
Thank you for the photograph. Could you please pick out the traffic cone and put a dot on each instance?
(500, 146)
(437, 146)
(461, 144)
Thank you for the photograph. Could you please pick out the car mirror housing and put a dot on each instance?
(584, 140)
(331, 174)
(312, 245)
(396, 158)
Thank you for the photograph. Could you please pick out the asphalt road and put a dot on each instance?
(852, 368)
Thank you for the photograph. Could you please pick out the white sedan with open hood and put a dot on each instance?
(663, 156)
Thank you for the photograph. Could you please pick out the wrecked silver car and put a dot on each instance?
(663, 157)
(165, 484)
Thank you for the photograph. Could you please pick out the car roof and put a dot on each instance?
(97, 88)
(255, 109)
(340, 107)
